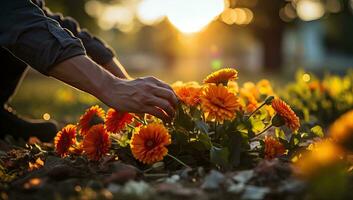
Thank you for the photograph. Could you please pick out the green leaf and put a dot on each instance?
(205, 140)
(195, 113)
(202, 126)
(257, 125)
(182, 119)
(180, 137)
(234, 146)
(280, 134)
(219, 156)
(317, 130)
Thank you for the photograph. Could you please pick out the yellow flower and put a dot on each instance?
(218, 103)
(289, 117)
(341, 130)
(249, 88)
(180, 84)
(148, 145)
(264, 87)
(222, 76)
(249, 102)
(233, 87)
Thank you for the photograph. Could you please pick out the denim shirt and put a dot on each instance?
(43, 39)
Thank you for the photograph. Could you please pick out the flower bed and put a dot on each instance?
(225, 141)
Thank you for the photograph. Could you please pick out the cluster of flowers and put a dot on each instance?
(92, 136)
(221, 100)
(320, 100)
(218, 101)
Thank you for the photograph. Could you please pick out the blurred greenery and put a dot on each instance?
(37, 96)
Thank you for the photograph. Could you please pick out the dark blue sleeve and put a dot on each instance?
(100, 52)
(37, 40)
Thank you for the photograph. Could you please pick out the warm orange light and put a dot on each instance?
(309, 10)
(192, 16)
(151, 12)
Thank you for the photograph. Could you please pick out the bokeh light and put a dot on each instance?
(306, 77)
(151, 12)
(239, 16)
(46, 116)
(309, 10)
(192, 16)
(216, 64)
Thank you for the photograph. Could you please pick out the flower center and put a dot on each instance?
(149, 143)
(95, 120)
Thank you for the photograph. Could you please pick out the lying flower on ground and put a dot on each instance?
(65, 139)
(96, 143)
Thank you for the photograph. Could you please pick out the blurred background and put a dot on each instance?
(187, 39)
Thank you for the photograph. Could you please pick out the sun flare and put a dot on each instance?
(187, 16)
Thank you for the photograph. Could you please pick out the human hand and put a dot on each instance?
(142, 95)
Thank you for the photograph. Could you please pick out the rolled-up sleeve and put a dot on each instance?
(39, 41)
(99, 51)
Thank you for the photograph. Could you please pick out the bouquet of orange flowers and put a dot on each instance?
(217, 124)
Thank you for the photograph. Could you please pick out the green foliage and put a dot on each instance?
(219, 156)
(320, 100)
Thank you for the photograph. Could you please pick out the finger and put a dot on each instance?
(157, 113)
(168, 95)
(164, 105)
(161, 83)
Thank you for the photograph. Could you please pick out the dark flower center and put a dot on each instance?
(149, 143)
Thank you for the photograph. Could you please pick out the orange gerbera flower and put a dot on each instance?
(218, 103)
(342, 130)
(65, 139)
(286, 114)
(222, 76)
(189, 95)
(116, 121)
(148, 145)
(93, 116)
(96, 143)
(273, 148)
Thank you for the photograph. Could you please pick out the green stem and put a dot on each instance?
(258, 135)
(257, 109)
(179, 161)
(130, 126)
(215, 129)
(139, 120)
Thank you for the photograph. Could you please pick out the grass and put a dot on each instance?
(38, 95)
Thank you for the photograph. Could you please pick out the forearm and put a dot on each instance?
(142, 95)
(117, 69)
(84, 74)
